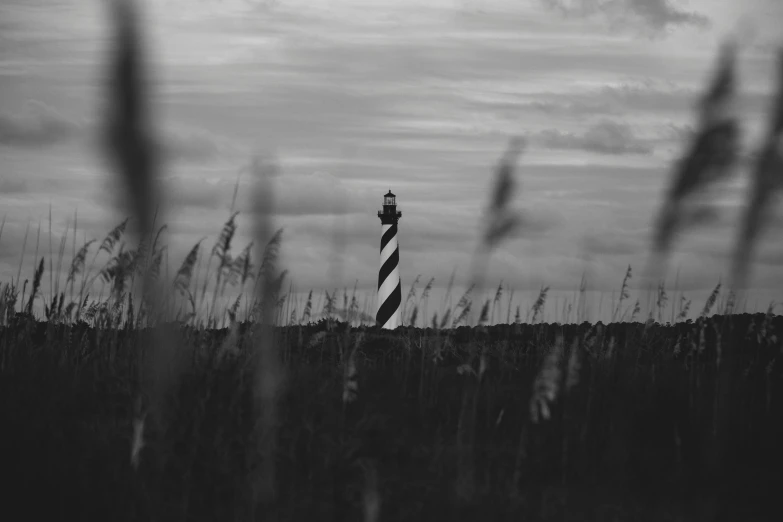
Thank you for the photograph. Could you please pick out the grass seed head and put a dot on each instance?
(547, 383)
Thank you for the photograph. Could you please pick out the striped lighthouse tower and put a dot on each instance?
(389, 290)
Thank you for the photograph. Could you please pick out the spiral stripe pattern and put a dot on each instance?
(389, 314)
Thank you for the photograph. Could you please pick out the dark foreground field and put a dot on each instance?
(644, 425)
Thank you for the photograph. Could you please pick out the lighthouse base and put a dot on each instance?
(389, 314)
(393, 322)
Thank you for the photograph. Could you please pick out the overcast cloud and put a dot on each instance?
(356, 97)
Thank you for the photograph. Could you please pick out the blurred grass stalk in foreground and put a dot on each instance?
(131, 146)
(707, 160)
(711, 158)
(764, 189)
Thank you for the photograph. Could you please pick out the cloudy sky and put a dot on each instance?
(354, 97)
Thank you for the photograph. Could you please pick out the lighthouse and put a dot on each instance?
(389, 314)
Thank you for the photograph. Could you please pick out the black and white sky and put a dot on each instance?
(354, 97)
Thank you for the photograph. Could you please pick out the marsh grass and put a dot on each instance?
(167, 399)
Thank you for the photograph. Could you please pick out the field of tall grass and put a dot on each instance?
(215, 392)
